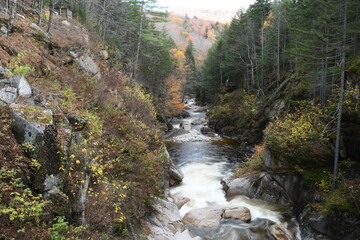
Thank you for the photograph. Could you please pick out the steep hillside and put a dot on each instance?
(182, 29)
(81, 150)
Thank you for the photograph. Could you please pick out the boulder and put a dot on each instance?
(206, 130)
(38, 28)
(197, 121)
(8, 94)
(3, 31)
(180, 200)
(176, 175)
(208, 217)
(185, 235)
(66, 23)
(186, 126)
(23, 87)
(201, 109)
(165, 222)
(184, 114)
(88, 64)
(241, 213)
(104, 54)
(13, 87)
(2, 71)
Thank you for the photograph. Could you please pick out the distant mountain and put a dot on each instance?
(185, 28)
(221, 16)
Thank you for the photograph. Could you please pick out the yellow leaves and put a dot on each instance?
(72, 156)
(77, 161)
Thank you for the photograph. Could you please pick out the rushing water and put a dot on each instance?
(204, 164)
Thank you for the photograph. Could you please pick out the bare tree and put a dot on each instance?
(51, 17)
(341, 94)
(13, 4)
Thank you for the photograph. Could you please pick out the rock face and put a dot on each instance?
(280, 232)
(337, 225)
(180, 200)
(176, 175)
(282, 189)
(165, 222)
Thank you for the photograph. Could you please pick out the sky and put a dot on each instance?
(230, 5)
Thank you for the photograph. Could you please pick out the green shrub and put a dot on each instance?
(15, 66)
(252, 164)
(300, 139)
(236, 109)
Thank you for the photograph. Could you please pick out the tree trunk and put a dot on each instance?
(40, 12)
(51, 17)
(278, 53)
(139, 40)
(341, 93)
(13, 4)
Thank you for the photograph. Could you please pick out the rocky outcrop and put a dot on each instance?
(165, 222)
(14, 87)
(180, 200)
(281, 232)
(88, 64)
(283, 189)
(337, 225)
(176, 175)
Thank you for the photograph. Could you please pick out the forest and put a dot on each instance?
(286, 74)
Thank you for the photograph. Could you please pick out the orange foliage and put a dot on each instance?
(173, 103)
(190, 38)
(175, 19)
(178, 57)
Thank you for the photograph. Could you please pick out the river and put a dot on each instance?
(205, 161)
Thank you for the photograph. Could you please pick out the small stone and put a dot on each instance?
(66, 23)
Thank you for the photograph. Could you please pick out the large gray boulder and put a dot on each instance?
(88, 64)
(13, 87)
(241, 213)
(8, 94)
(197, 121)
(208, 217)
(24, 89)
